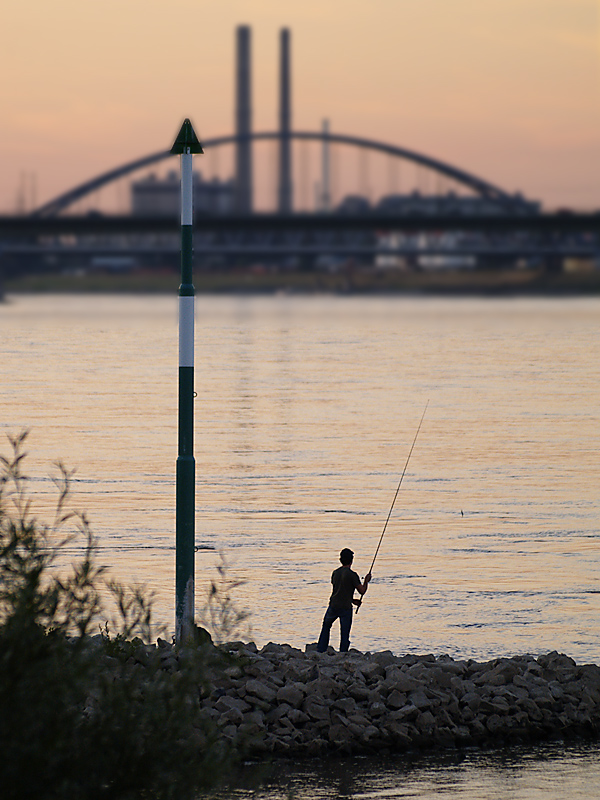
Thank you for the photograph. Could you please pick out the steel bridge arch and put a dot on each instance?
(478, 185)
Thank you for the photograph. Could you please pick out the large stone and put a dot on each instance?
(495, 724)
(316, 746)
(339, 735)
(231, 717)
(420, 700)
(229, 732)
(345, 704)
(259, 666)
(261, 690)
(443, 719)
(369, 733)
(421, 671)
(533, 668)
(395, 699)
(542, 696)
(496, 705)
(371, 670)
(426, 723)
(248, 730)
(458, 686)
(255, 717)
(439, 678)
(453, 667)
(359, 719)
(316, 709)
(299, 670)
(358, 691)
(491, 678)
(472, 700)
(406, 713)
(290, 694)
(324, 687)
(556, 690)
(396, 679)
(461, 734)
(329, 671)
(556, 660)
(297, 717)
(285, 724)
(272, 647)
(226, 703)
(477, 729)
(400, 732)
(276, 713)
(590, 674)
(451, 704)
(531, 709)
(385, 658)
(377, 709)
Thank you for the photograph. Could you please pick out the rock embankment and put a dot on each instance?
(283, 701)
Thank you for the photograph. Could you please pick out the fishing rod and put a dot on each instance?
(397, 490)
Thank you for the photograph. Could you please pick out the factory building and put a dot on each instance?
(154, 197)
(452, 204)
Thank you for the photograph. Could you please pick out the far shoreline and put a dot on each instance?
(357, 281)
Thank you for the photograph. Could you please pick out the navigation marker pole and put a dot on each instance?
(186, 144)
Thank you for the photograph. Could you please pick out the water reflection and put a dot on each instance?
(548, 772)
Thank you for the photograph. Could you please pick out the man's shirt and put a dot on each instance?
(344, 581)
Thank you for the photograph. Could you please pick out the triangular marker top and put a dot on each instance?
(186, 138)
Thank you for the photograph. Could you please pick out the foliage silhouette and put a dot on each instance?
(92, 716)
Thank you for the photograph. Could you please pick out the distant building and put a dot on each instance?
(437, 250)
(452, 204)
(354, 204)
(155, 197)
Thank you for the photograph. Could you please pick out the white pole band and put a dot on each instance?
(186, 331)
(187, 214)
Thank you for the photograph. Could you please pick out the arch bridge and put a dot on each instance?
(472, 182)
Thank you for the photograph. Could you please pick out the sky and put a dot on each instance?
(505, 89)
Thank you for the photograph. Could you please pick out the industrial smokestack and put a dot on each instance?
(243, 123)
(325, 174)
(285, 192)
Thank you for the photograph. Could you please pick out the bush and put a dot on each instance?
(82, 715)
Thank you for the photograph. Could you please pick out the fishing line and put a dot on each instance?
(397, 490)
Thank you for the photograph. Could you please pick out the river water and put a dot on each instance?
(548, 772)
(306, 411)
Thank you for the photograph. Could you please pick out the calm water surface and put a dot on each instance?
(305, 414)
(547, 772)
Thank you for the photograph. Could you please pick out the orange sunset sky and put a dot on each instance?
(506, 89)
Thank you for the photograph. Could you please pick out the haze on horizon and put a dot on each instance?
(506, 89)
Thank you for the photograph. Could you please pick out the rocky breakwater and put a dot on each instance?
(283, 701)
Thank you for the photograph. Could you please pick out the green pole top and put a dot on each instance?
(186, 138)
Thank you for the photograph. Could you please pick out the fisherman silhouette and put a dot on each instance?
(345, 581)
